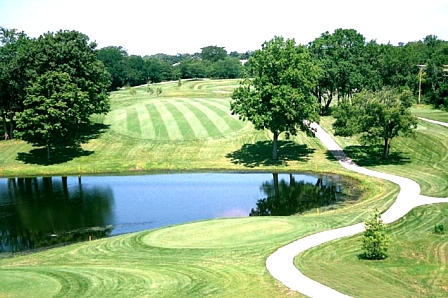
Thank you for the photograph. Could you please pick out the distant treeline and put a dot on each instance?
(349, 63)
(133, 70)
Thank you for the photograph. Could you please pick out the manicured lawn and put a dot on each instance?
(416, 266)
(184, 129)
(423, 158)
(430, 113)
(190, 129)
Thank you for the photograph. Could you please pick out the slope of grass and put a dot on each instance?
(423, 158)
(216, 258)
(430, 113)
(187, 128)
(416, 266)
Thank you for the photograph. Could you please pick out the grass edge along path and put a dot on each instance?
(281, 263)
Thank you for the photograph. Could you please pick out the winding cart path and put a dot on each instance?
(281, 263)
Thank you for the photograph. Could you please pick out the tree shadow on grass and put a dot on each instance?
(260, 154)
(366, 156)
(58, 155)
(62, 153)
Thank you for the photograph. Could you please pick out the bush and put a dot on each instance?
(439, 229)
(159, 91)
(375, 240)
(132, 91)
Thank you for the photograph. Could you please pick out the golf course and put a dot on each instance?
(188, 127)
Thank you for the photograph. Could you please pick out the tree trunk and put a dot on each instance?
(275, 146)
(5, 127)
(386, 148)
(48, 152)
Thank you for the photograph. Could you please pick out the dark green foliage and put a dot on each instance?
(213, 53)
(279, 98)
(114, 60)
(439, 229)
(375, 241)
(67, 84)
(377, 116)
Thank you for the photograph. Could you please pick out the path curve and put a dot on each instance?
(280, 264)
(434, 121)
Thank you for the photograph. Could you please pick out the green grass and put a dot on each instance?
(430, 113)
(190, 129)
(215, 258)
(416, 266)
(423, 158)
(187, 128)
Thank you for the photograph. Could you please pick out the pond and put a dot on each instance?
(47, 211)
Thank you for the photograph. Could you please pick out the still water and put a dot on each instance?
(41, 212)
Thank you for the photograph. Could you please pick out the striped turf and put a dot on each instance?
(175, 119)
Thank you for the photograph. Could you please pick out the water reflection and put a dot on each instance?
(287, 197)
(40, 212)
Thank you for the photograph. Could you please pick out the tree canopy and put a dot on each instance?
(377, 116)
(279, 97)
(66, 84)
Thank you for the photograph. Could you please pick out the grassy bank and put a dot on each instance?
(189, 128)
(416, 266)
(216, 258)
(422, 158)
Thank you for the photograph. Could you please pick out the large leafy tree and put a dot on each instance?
(340, 56)
(12, 76)
(279, 97)
(213, 53)
(52, 111)
(67, 80)
(376, 116)
(114, 59)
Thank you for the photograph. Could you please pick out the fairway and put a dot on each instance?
(174, 119)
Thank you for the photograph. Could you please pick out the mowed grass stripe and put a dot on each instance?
(182, 121)
(196, 125)
(132, 122)
(215, 115)
(232, 121)
(146, 125)
(169, 121)
(203, 115)
(156, 118)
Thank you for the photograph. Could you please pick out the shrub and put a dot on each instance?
(159, 91)
(132, 91)
(439, 229)
(375, 240)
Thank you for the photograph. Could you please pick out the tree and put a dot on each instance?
(114, 60)
(67, 83)
(213, 53)
(380, 115)
(340, 55)
(12, 76)
(279, 97)
(375, 240)
(53, 110)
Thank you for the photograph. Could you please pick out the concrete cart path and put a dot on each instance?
(281, 263)
(434, 121)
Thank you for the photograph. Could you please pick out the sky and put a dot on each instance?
(146, 27)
